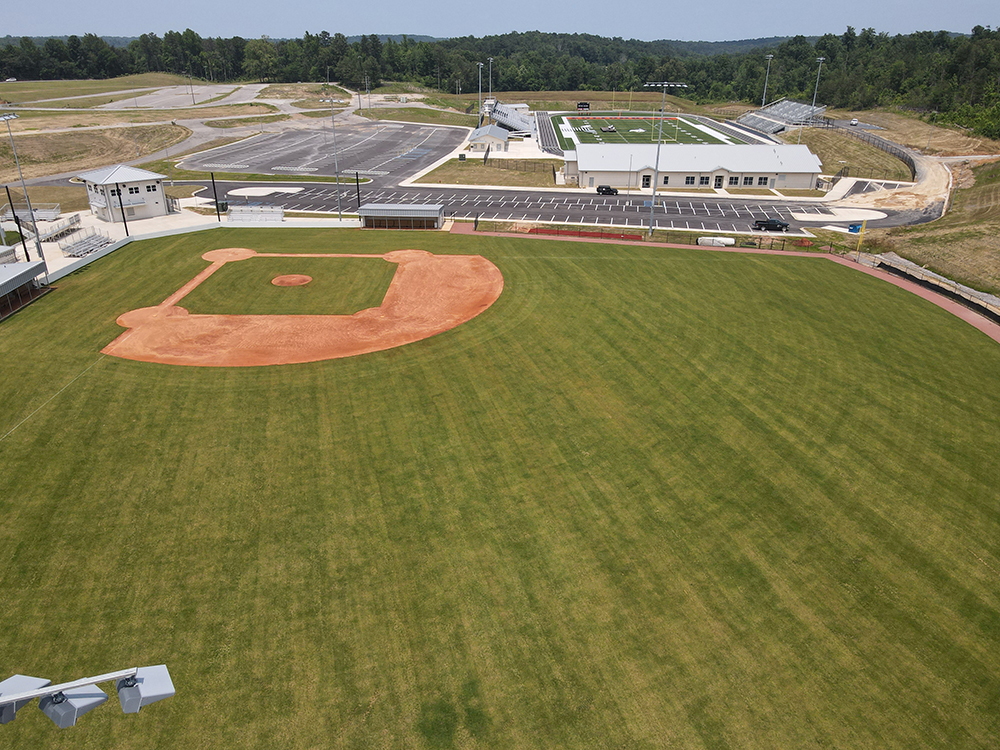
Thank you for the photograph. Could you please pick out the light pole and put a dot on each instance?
(480, 113)
(31, 214)
(656, 165)
(336, 164)
(68, 701)
(763, 99)
(820, 60)
(491, 76)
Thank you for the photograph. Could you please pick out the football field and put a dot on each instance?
(628, 128)
(648, 498)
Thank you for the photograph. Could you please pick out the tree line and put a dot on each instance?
(956, 77)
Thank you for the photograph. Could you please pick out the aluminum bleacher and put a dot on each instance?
(41, 211)
(91, 241)
(256, 214)
(60, 229)
(547, 140)
(781, 114)
(512, 119)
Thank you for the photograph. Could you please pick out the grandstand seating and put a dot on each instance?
(779, 115)
(512, 119)
(547, 140)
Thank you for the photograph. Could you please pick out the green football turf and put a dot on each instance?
(650, 498)
(339, 286)
(675, 129)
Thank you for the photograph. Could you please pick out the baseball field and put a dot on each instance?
(647, 498)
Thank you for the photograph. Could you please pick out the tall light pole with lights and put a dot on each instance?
(336, 164)
(67, 702)
(491, 76)
(659, 138)
(31, 214)
(763, 99)
(820, 60)
(480, 113)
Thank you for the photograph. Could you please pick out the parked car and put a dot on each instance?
(771, 225)
(854, 121)
(606, 190)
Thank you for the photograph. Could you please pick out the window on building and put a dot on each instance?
(748, 181)
(762, 181)
(114, 192)
(150, 188)
(666, 179)
(134, 190)
(704, 180)
(734, 181)
(689, 180)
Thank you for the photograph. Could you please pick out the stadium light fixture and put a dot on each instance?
(336, 164)
(480, 93)
(68, 701)
(812, 111)
(7, 117)
(656, 165)
(763, 99)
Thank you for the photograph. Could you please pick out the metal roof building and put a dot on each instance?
(137, 192)
(697, 165)
(401, 216)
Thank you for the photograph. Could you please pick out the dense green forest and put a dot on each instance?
(956, 76)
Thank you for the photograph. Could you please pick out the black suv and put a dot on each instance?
(606, 190)
(771, 225)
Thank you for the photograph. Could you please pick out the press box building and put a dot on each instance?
(140, 192)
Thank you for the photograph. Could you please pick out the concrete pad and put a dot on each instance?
(842, 214)
(260, 192)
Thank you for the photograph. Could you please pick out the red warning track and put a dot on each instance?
(429, 294)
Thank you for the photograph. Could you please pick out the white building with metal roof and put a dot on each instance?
(114, 190)
(489, 136)
(694, 166)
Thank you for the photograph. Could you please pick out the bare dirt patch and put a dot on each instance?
(429, 294)
(292, 279)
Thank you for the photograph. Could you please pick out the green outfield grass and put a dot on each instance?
(675, 129)
(339, 286)
(650, 498)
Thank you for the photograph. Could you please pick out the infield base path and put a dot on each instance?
(428, 294)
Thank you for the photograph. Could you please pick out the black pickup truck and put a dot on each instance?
(771, 225)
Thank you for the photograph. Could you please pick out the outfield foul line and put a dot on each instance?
(84, 372)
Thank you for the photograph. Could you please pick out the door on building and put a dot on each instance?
(718, 181)
(590, 182)
(646, 180)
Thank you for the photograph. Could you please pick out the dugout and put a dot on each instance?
(19, 286)
(401, 216)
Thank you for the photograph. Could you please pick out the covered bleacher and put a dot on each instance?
(510, 118)
(780, 115)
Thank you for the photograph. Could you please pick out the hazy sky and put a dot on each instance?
(689, 21)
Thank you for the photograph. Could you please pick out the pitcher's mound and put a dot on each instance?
(292, 279)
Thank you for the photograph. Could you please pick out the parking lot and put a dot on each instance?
(372, 149)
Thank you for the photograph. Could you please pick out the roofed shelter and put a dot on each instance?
(401, 216)
(19, 285)
(136, 191)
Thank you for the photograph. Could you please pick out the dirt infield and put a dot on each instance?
(429, 294)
